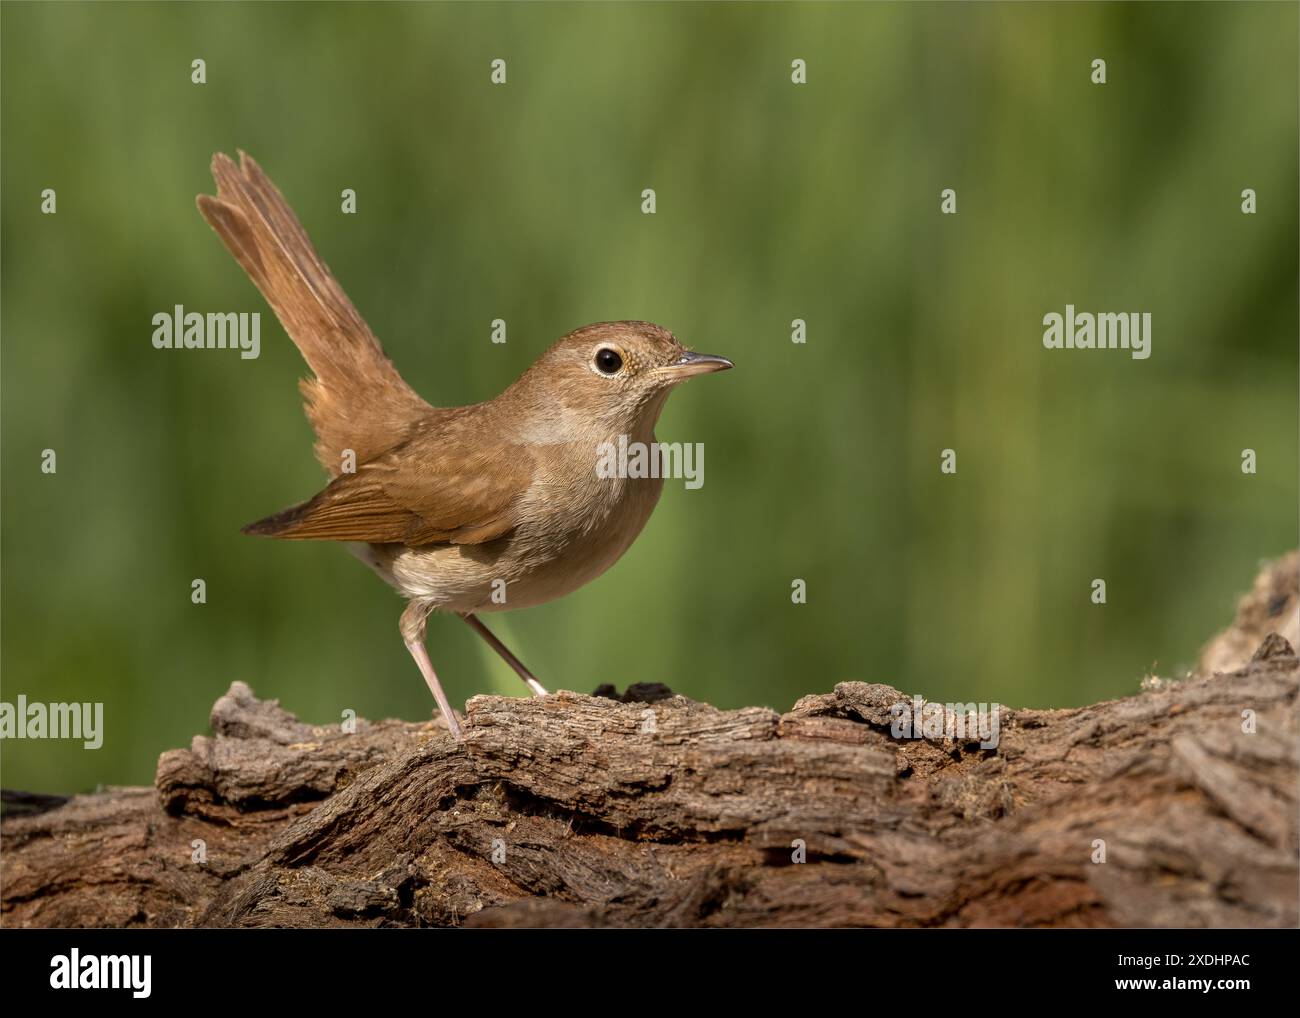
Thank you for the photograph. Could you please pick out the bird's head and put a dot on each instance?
(617, 375)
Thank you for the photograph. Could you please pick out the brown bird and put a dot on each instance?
(453, 504)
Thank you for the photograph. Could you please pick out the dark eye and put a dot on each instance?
(608, 361)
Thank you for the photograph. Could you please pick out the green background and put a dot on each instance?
(775, 202)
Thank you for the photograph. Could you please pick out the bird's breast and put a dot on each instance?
(576, 523)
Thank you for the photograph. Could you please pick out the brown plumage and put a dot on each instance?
(357, 400)
(454, 505)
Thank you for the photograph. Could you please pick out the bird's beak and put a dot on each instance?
(691, 363)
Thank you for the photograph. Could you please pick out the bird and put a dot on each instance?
(463, 510)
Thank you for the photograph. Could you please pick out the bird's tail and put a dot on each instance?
(357, 401)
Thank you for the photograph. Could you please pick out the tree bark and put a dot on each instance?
(1176, 807)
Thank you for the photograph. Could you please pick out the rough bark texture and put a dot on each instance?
(578, 811)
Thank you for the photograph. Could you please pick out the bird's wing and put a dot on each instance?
(448, 483)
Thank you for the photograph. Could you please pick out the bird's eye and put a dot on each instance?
(608, 361)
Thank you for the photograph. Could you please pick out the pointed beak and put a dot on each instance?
(691, 363)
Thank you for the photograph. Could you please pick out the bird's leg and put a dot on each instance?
(412, 625)
(514, 662)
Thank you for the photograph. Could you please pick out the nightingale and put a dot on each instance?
(450, 505)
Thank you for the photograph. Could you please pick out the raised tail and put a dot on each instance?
(357, 401)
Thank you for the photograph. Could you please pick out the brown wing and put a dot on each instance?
(444, 485)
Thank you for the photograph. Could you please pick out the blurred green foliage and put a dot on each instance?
(775, 202)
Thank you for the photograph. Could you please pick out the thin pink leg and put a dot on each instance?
(412, 626)
(514, 662)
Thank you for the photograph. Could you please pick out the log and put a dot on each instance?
(1174, 807)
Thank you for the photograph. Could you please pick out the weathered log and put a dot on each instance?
(578, 810)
